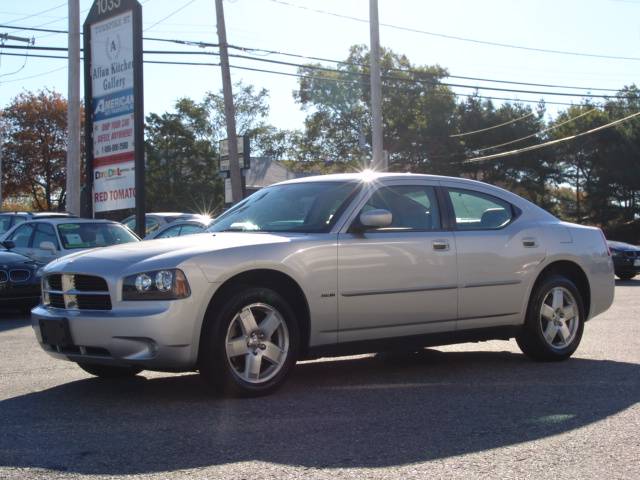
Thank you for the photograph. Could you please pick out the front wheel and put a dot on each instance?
(107, 371)
(555, 320)
(251, 345)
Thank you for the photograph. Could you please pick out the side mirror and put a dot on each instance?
(48, 246)
(9, 244)
(378, 218)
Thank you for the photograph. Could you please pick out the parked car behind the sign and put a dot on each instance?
(50, 238)
(19, 280)
(179, 228)
(330, 265)
(155, 221)
(626, 259)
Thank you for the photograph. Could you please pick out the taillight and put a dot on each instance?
(606, 245)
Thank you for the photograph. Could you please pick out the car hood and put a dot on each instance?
(161, 253)
(7, 258)
(622, 246)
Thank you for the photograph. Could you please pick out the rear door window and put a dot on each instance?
(479, 211)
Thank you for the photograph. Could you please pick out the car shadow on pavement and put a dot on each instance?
(12, 319)
(356, 412)
(627, 283)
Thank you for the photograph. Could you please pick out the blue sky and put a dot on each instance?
(606, 27)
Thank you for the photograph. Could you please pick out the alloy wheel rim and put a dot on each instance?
(559, 318)
(257, 343)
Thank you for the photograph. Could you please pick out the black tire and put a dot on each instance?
(218, 371)
(531, 338)
(625, 276)
(107, 371)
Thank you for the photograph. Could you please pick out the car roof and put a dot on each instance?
(369, 175)
(56, 220)
(41, 214)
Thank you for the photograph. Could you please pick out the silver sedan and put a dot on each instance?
(329, 265)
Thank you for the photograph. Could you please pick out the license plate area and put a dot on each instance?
(56, 332)
(636, 262)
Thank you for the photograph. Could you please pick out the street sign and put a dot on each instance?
(244, 154)
(114, 105)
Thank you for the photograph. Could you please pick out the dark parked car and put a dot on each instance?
(19, 280)
(626, 259)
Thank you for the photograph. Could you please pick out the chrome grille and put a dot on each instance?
(76, 292)
(55, 282)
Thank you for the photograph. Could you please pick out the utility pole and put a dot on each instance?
(73, 111)
(378, 162)
(1, 144)
(229, 110)
(3, 38)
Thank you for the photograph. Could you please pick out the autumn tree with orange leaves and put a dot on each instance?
(34, 149)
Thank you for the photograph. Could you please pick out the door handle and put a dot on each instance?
(440, 245)
(529, 242)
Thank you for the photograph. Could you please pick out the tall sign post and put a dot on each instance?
(114, 109)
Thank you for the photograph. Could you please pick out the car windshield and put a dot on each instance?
(91, 235)
(308, 207)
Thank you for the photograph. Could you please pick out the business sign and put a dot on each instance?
(113, 104)
(244, 154)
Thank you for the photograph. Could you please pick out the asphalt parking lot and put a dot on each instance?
(469, 411)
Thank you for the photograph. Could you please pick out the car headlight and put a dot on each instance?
(616, 253)
(169, 284)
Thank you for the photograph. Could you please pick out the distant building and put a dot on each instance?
(264, 171)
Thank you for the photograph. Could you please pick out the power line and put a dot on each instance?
(314, 58)
(153, 39)
(480, 79)
(337, 80)
(40, 13)
(33, 76)
(434, 83)
(177, 10)
(458, 38)
(493, 127)
(551, 142)
(553, 127)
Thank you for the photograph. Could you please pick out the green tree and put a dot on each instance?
(182, 148)
(417, 113)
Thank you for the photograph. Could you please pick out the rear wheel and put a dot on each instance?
(251, 345)
(625, 276)
(555, 320)
(107, 371)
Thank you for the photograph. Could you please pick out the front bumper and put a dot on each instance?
(151, 335)
(11, 292)
(625, 265)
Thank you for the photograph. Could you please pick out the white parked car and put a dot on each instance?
(329, 265)
(49, 238)
(179, 228)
